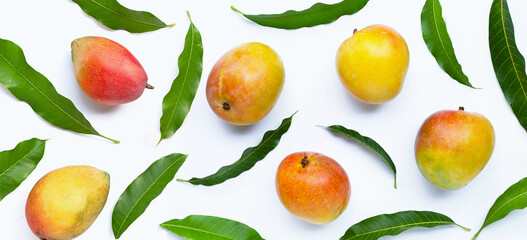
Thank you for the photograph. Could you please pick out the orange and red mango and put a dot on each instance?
(313, 187)
(245, 83)
(65, 202)
(452, 147)
(106, 71)
(372, 64)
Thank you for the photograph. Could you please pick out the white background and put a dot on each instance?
(45, 29)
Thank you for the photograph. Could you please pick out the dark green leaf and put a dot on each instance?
(145, 188)
(396, 223)
(248, 159)
(115, 16)
(509, 64)
(30, 86)
(438, 41)
(18, 163)
(369, 143)
(198, 227)
(317, 14)
(178, 100)
(515, 197)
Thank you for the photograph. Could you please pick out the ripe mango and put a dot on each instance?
(66, 201)
(106, 71)
(452, 147)
(372, 64)
(313, 187)
(245, 83)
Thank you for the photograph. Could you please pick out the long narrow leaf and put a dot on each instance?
(369, 143)
(317, 14)
(509, 64)
(30, 86)
(394, 224)
(248, 159)
(18, 163)
(178, 100)
(515, 197)
(115, 16)
(438, 41)
(198, 227)
(145, 188)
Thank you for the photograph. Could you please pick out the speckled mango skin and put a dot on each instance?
(66, 201)
(372, 64)
(245, 83)
(317, 192)
(452, 147)
(106, 71)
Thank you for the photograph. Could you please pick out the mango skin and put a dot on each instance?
(245, 83)
(452, 147)
(66, 201)
(313, 187)
(372, 64)
(106, 71)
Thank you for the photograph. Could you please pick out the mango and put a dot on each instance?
(106, 71)
(452, 147)
(245, 83)
(372, 64)
(65, 202)
(313, 187)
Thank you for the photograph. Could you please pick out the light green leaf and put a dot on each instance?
(317, 14)
(509, 64)
(396, 223)
(30, 86)
(438, 41)
(515, 197)
(18, 163)
(248, 159)
(369, 143)
(145, 188)
(198, 227)
(178, 100)
(115, 16)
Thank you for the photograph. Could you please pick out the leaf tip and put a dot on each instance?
(236, 10)
(113, 140)
(182, 180)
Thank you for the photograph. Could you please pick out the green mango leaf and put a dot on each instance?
(369, 143)
(30, 86)
(248, 159)
(509, 64)
(198, 227)
(145, 188)
(438, 41)
(396, 223)
(515, 197)
(178, 100)
(115, 16)
(18, 163)
(317, 14)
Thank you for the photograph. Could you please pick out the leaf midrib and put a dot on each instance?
(241, 160)
(144, 193)
(441, 41)
(401, 226)
(500, 207)
(22, 158)
(197, 230)
(371, 148)
(293, 13)
(509, 48)
(46, 97)
(127, 17)
(184, 81)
